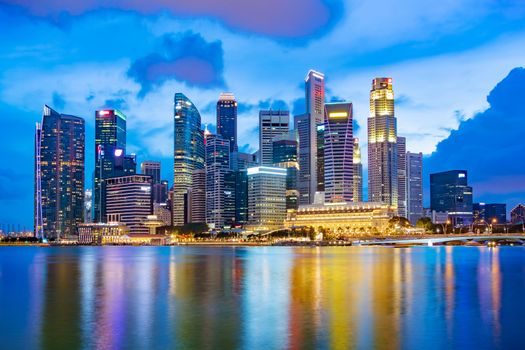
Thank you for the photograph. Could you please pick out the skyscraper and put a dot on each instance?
(188, 153)
(197, 197)
(110, 155)
(449, 192)
(218, 210)
(285, 156)
(401, 177)
(151, 168)
(382, 148)
(357, 173)
(59, 174)
(271, 124)
(266, 198)
(517, 214)
(338, 152)
(414, 187)
(314, 94)
(227, 119)
(302, 128)
(129, 201)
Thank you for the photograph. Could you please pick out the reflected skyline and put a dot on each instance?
(262, 297)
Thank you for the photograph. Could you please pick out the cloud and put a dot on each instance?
(489, 145)
(58, 101)
(274, 18)
(186, 57)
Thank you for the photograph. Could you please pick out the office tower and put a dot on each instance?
(160, 192)
(285, 156)
(266, 198)
(414, 186)
(401, 177)
(314, 94)
(129, 201)
(517, 214)
(88, 205)
(241, 196)
(271, 124)
(320, 159)
(197, 197)
(338, 152)
(151, 168)
(243, 161)
(59, 174)
(188, 153)
(217, 168)
(489, 213)
(449, 192)
(110, 155)
(382, 148)
(302, 128)
(357, 173)
(240, 162)
(227, 119)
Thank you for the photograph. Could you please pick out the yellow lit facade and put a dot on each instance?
(342, 218)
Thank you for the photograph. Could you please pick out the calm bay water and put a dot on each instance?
(262, 298)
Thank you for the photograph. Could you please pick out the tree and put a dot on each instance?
(425, 223)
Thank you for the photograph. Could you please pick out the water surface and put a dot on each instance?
(262, 297)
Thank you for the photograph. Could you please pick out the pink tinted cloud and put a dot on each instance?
(192, 69)
(280, 18)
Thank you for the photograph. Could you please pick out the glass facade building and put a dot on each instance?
(449, 192)
(59, 174)
(414, 186)
(285, 156)
(338, 152)
(110, 156)
(357, 173)
(402, 177)
(188, 153)
(227, 119)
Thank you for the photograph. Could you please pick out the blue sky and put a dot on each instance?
(445, 58)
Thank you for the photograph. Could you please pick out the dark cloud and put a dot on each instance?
(355, 126)
(490, 145)
(402, 100)
(116, 103)
(291, 19)
(186, 57)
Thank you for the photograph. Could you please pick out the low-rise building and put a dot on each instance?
(103, 233)
(342, 218)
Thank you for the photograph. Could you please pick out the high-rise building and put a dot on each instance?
(414, 186)
(449, 192)
(129, 201)
(59, 174)
(285, 156)
(517, 214)
(320, 159)
(266, 198)
(382, 148)
(151, 168)
(315, 95)
(88, 205)
(489, 213)
(271, 124)
(197, 197)
(227, 119)
(217, 178)
(110, 156)
(160, 192)
(302, 128)
(243, 161)
(357, 173)
(402, 176)
(338, 152)
(188, 154)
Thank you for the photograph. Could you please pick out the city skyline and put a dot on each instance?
(431, 102)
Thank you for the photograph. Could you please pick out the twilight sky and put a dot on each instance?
(445, 57)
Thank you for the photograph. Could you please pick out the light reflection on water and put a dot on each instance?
(261, 297)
